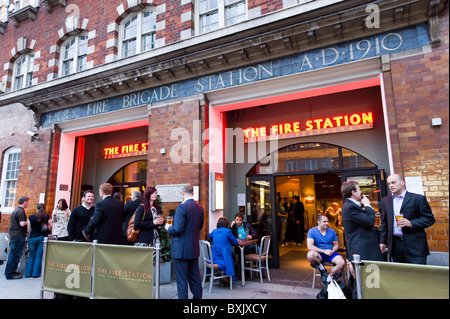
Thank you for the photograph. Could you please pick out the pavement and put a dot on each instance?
(291, 281)
(29, 288)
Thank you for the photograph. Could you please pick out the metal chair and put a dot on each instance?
(205, 248)
(260, 258)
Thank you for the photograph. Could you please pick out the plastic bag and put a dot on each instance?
(335, 291)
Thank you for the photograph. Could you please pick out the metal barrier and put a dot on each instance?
(93, 270)
(390, 280)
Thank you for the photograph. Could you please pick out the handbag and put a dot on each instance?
(335, 291)
(132, 233)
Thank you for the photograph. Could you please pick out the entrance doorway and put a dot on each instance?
(129, 178)
(314, 172)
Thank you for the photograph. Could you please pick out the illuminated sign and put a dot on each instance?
(126, 150)
(319, 126)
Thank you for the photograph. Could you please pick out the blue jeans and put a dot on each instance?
(17, 245)
(34, 263)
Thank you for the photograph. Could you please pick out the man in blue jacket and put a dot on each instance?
(185, 250)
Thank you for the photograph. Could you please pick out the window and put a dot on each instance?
(138, 33)
(19, 4)
(10, 175)
(23, 72)
(214, 14)
(310, 157)
(4, 4)
(74, 54)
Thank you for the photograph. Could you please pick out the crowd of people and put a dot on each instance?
(105, 222)
(404, 217)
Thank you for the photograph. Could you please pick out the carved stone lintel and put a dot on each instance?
(49, 4)
(28, 12)
(433, 22)
(2, 27)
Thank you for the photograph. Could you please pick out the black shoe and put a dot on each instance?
(337, 276)
(323, 272)
(15, 277)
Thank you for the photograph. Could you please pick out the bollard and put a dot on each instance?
(156, 276)
(44, 255)
(358, 263)
(94, 243)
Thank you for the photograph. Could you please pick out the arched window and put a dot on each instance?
(129, 178)
(308, 157)
(138, 32)
(73, 55)
(23, 71)
(10, 175)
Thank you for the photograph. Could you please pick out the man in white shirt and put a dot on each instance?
(404, 217)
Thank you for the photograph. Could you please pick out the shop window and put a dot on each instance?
(215, 14)
(10, 174)
(23, 72)
(74, 54)
(138, 33)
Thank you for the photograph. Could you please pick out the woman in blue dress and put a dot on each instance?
(222, 239)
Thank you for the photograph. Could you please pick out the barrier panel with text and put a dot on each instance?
(100, 271)
(67, 268)
(389, 280)
(123, 272)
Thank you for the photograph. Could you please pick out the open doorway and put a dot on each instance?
(314, 172)
(316, 192)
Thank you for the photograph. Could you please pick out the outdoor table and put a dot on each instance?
(242, 243)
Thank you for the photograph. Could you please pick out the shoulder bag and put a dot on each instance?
(132, 233)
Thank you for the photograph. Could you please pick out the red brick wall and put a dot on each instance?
(36, 154)
(417, 90)
(161, 168)
(267, 6)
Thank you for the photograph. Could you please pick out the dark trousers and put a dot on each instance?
(17, 245)
(401, 254)
(187, 272)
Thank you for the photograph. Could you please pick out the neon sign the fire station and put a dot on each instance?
(126, 150)
(319, 126)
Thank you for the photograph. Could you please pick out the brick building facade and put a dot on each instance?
(91, 68)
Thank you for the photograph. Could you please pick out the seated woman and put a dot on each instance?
(222, 239)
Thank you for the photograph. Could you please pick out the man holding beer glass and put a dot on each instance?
(404, 217)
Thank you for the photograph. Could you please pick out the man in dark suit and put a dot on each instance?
(358, 222)
(405, 238)
(185, 232)
(299, 211)
(106, 223)
(128, 211)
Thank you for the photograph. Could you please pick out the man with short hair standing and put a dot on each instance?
(17, 236)
(81, 216)
(185, 232)
(359, 222)
(405, 238)
(106, 224)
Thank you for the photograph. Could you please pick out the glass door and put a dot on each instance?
(261, 212)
